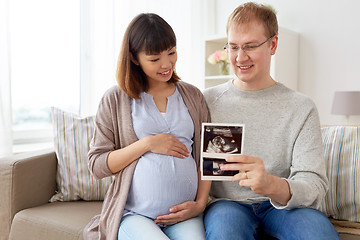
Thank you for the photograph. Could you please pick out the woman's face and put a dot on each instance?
(158, 67)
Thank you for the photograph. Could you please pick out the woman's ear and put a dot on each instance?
(133, 59)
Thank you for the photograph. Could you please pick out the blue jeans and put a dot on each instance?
(229, 220)
(137, 227)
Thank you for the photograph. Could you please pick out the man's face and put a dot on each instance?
(251, 64)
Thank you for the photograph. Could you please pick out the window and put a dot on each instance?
(64, 54)
(45, 64)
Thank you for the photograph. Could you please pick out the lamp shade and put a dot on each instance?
(346, 103)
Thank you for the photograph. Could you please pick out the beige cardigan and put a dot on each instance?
(114, 130)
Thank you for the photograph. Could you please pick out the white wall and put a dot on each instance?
(329, 47)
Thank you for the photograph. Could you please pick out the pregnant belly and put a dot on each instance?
(159, 184)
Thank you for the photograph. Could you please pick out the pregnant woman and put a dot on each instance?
(147, 135)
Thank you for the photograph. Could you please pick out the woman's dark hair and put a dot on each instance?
(146, 32)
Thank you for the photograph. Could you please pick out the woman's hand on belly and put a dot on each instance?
(168, 145)
(181, 212)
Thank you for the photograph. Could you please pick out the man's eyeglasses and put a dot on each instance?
(246, 48)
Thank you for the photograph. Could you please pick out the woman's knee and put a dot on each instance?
(190, 229)
(130, 225)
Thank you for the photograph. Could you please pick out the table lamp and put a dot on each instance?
(346, 103)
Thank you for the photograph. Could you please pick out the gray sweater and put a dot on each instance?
(282, 128)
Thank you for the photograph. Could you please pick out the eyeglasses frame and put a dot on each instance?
(250, 47)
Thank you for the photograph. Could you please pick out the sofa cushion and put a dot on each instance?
(55, 221)
(72, 136)
(341, 149)
(346, 227)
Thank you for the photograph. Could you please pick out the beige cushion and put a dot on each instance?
(346, 227)
(341, 149)
(55, 221)
(72, 136)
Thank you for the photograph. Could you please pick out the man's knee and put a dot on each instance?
(229, 220)
(306, 223)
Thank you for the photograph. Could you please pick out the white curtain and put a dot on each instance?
(5, 90)
(98, 53)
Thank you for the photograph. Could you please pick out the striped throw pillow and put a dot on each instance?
(341, 148)
(72, 136)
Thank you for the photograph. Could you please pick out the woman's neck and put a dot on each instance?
(160, 93)
(162, 89)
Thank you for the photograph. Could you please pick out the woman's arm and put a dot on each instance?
(161, 143)
(202, 195)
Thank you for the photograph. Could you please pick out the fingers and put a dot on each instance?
(169, 219)
(179, 150)
(241, 158)
(251, 170)
(237, 167)
(175, 147)
(238, 162)
(177, 214)
(180, 207)
(241, 176)
(168, 145)
(176, 152)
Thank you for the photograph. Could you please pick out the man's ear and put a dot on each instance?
(133, 59)
(274, 44)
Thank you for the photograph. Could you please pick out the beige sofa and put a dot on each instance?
(27, 182)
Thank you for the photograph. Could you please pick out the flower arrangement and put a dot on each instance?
(220, 57)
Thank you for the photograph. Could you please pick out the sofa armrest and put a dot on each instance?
(26, 180)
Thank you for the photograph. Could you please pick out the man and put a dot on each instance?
(281, 180)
